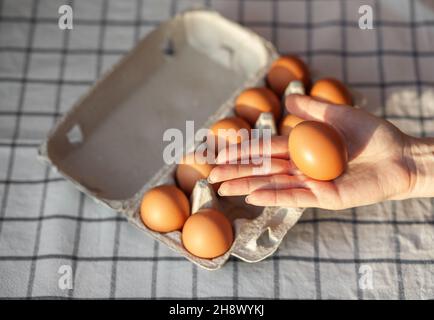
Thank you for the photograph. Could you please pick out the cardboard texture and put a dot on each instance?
(110, 143)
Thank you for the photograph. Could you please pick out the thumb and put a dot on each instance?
(309, 108)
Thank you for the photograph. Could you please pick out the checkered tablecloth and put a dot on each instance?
(45, 223)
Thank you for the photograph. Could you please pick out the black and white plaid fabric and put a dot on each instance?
(45, 223)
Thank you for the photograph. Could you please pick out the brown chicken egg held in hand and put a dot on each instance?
(252, 102)
(164, 208)
(284, 70)
(207, 234)
(331, 90)
(318, 150)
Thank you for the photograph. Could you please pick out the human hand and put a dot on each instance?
(384, 164)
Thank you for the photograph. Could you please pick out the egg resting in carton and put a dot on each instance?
(257, 234)
(106, 144)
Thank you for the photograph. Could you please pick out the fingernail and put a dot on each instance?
(220, 191)
(212, 177)
(247, 199)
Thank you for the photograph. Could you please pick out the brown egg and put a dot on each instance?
(164, 208)
(207, 234)
(189, 171)
(287, 123)
(318, 150)
(284, 70)
(252, 102)
(223, 131)
(331, 90)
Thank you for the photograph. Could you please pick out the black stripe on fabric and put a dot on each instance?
(77, 238)
(99, 64)
(416, 66)
(58, 114)
(356, 246)
(384, 113)
(401, 289)
(20, 145)
(274, 21)
(316, 52)
(17, 124)
(276, 278)
(194, 283)
(285, 25)
(359, 293)
(381, 83)
(63, 217)
(32, 271)
(306, 221)
(173, 7)
(82, 21)
(77, 51)
(139, 8)
(47, 81)
(316, 253)
(33, 265)
(389, 84)
(11, 113)
(28, 181)
(403, 261)
(155, 259)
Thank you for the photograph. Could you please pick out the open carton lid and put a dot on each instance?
(110, 144)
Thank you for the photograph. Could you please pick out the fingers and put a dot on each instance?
(278, 149)
(293, 198)
(235, 171)
(286, 191)
(311, 109)
(248, 185)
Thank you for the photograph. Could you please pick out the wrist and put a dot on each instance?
(419, 159)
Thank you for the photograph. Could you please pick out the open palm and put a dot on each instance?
(378, 167)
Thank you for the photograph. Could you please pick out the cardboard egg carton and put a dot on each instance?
(110, 144)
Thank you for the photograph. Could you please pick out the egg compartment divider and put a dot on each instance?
(109, 143)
